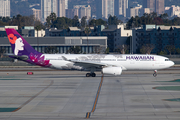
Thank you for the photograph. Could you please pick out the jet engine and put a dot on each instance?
(112, 70)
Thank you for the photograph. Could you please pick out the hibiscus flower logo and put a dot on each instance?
(12, 38)
(39, 60)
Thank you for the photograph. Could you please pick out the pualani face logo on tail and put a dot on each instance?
(20, 45)
(17, 40)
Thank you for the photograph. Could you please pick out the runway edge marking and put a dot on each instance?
(88, 114)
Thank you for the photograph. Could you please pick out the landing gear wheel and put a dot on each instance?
(93, 74)
(88, 74)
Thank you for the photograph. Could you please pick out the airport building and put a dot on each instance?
(99, 38)
(120, 36)
(58, 44)
(116, 34)
(61, 44)
(26, 31)
(29, 31)
(157, 35)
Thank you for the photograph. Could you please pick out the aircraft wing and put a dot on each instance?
(87, 64)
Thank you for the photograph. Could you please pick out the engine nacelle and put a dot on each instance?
(112, 70)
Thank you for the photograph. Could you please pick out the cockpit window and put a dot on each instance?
(167, 60)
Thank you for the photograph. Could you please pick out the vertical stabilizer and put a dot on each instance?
(19, 44)
(22, 48)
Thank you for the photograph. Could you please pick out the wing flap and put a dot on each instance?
(89, 64)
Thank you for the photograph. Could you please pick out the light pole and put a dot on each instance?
(87, 32)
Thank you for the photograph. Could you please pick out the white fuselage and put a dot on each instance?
(126, 62)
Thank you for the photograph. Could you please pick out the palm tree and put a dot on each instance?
(37, 28)
(87, 32)
(50, 20)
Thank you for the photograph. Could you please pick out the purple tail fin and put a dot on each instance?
(19, 44)
(23, 51)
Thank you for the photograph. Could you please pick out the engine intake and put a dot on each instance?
(112, 70)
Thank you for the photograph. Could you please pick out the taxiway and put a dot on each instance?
(68, 95)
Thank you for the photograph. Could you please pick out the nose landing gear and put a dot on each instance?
(155, 73)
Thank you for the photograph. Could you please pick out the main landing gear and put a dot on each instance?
(155, 73)
(91, 75)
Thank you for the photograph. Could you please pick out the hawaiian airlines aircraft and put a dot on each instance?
(108, 64)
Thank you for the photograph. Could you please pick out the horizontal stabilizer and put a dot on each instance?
(23, 57)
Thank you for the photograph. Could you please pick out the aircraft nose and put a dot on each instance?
(171, 63)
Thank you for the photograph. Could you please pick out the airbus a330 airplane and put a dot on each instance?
(108, 64)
